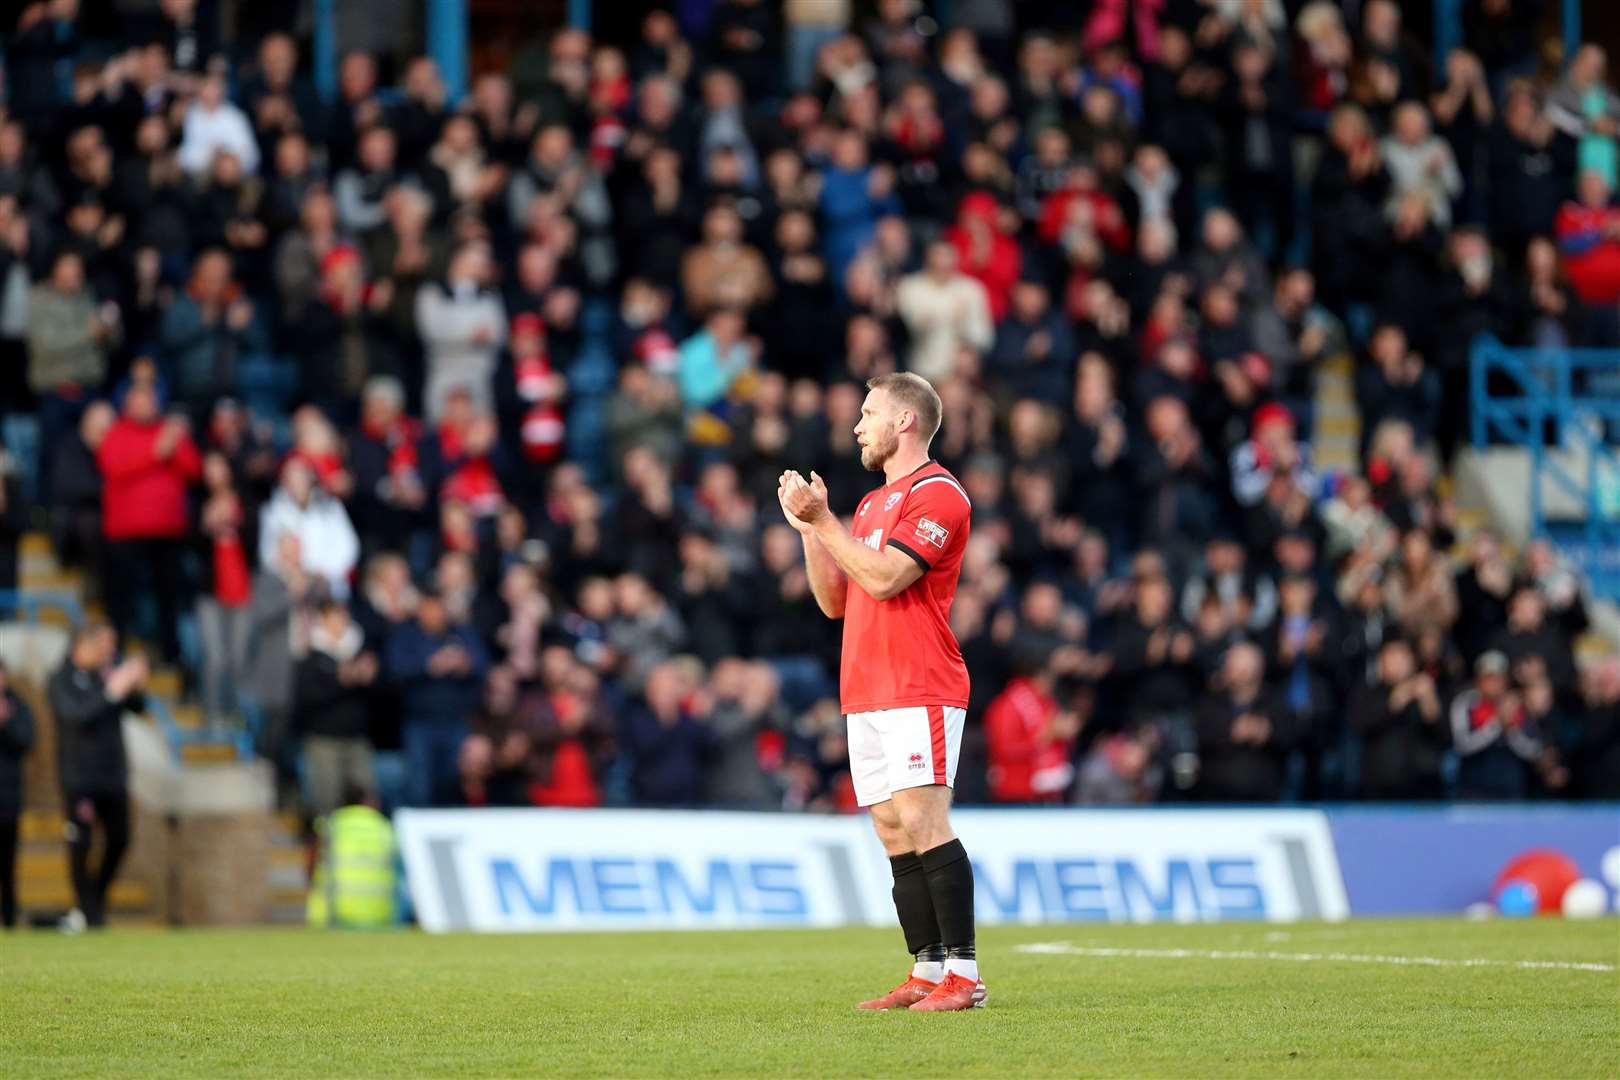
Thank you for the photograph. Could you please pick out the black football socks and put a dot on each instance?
(950, 884)
(914, 903)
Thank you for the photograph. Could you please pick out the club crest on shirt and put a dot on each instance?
(888, 504)
(932, 532)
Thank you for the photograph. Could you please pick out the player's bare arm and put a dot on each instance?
(827, 582)
(883, 573)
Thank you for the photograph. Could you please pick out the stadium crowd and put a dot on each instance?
(438, 439)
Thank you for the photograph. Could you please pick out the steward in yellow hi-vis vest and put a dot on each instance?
(355, 880)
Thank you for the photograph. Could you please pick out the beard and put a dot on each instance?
(876, 455)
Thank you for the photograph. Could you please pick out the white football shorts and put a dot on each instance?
(894, 749)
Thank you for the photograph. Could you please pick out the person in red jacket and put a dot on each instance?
(1589, 240)
(147, 463)
(984, 252)
(1031, 741)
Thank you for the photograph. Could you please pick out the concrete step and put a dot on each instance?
(165, 683)
(204, 754)
(39, 826)
(1338, 426)
(42, 577)
(35, 543)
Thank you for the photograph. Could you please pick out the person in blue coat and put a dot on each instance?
(439, 669)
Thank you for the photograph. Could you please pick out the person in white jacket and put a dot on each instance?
(463, 326)
(944, 310)
(327, 540)
(214, 124)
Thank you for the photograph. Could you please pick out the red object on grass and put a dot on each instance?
(1548, 870)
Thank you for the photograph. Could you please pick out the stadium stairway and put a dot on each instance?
(53, 597)
(1336, 429)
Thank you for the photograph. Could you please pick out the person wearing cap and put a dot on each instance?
(1492, 733)
(1271, 450)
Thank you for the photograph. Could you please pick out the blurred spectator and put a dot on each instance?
(944, 310)
(89, 695)
(207, 334)
(214, 126)
(1589, 238)
(330, 703)
(16, 740)
(1396, 385)
(714, 358)
(438, 667)
(1121, 769)
(668, 739)
(225, 527)
(1031, 738)
(1151, 651)
(722, 270)
(1585, 108)
(69, 335)
(1492, 733)
(463, 327)
(1399, 720)
(306, 509)
(1419, 590)
(1244, 733)
(748, 724)
(1596, 753)
(147, 464)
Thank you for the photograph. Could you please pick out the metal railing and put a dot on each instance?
(1547, 400)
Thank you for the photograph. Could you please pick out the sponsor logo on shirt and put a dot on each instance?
(932, 532)
(888, 504)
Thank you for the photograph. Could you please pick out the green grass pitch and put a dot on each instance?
(1239, 1001)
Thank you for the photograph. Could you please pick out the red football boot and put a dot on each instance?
(953, 994)
(903, 996)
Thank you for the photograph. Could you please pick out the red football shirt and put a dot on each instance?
(900, 652)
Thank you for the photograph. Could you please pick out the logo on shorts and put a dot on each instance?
(932, 532)
(888, 504)
(917, 761)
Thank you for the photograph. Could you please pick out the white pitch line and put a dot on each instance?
(1064, 948)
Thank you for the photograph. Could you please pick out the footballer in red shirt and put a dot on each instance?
(903, 685)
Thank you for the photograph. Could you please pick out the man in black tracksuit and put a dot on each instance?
(89, 695)
(16, 738)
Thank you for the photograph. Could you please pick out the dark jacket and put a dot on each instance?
(323, 704)
(89, 732)
(16, 739)
(668, 763)
(1400, 756)
(1234, 772)
(433, 699)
